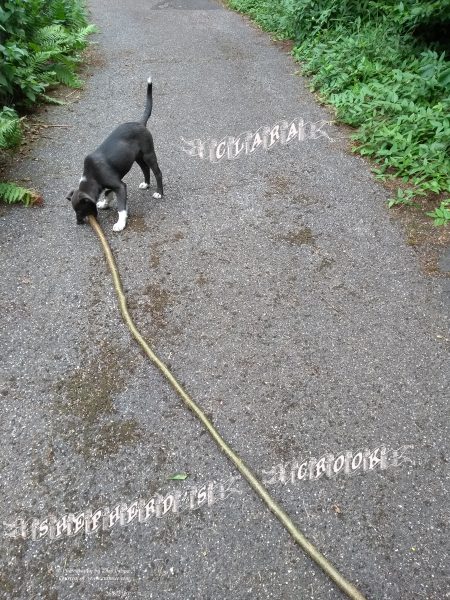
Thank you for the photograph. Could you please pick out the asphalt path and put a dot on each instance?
(282, 295)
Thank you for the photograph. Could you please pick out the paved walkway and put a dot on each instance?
(282, 295)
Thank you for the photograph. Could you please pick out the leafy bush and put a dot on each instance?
(40, 43)
(400, 103)
(40, 47)
(384, 67)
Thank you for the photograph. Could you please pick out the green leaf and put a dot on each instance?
(179, 476)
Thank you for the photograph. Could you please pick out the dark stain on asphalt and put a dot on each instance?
(7, 584)
(278, 185)
(138, 224)
(158, 299)
(299, 237)
(155, 255)
(88, 392)
(230, 52)
(325, 264)
(43, 465)
(155, 248)
(85, 406)
(111, 437)
(201, 280)
(303, 199)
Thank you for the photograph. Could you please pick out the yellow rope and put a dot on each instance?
(347, 587)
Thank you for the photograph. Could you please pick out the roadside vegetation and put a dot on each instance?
(40, 48)
(385, 68)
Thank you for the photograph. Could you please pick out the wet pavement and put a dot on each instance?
(274, 283)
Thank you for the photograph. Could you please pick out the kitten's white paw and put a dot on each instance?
(143, 186)
(157, 195)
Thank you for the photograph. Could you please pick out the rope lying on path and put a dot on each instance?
(347, 587)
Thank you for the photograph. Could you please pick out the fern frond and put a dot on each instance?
(11, 193)
(50, 100)
(72, 14)
(79, 38)
(52, 37)
(66, 75)
(10, 130)
(88, 30)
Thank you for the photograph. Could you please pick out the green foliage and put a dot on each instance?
(10, 132)
(441, 215)
(403, 198)
(40, 45)
(384, 68)
(401, 103)
(270, 14)
(13, 194)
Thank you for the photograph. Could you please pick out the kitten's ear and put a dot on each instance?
(69, 195)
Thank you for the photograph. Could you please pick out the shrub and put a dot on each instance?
(384, 67)
(40, 46)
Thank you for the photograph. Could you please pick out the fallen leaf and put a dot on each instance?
(179, 476)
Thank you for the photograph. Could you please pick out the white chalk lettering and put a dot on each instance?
(43, 528)
(225, 490)
(303, 470)
(375, 458)
(200, 496)
(399, 457)
(12, 530)
(338, 464)
(181, 498)
(167, 504)
(274, 136)
(356, 461)
(302, 130)
(277, 474)
(292, 134)
(265, 137)
(323, 466)
(94, 522)
(313, 469)
(147, 510)
(131, 513)
(219, 151)
(316, 130)
(78, 521)
(113, 517)
(257, 141)
(233, 149)
(60, 526)
(197, 148)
